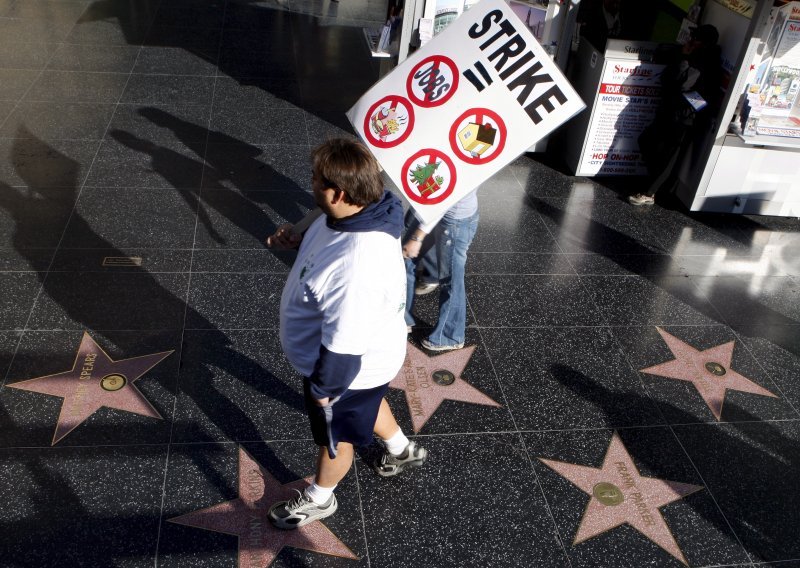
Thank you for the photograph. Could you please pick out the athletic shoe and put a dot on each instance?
(388, 465)
(432, 347)
(641, 199)
(409, 329)
(423, 288)
(300, 511)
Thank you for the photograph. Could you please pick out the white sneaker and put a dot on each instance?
(388, 465)
(433, 347)
(425, 288)
(641, 199)
(300, 511)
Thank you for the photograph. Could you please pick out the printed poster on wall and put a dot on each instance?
(629, 93)
(742, 7)
(782, 82)
(469, 102)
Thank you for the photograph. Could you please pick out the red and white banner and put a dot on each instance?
(470, 101)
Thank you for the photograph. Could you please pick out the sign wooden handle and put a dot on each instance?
(303, 224)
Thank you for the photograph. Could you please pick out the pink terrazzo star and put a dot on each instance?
(709, 370)
(95, 381)
(619, 494)
(246, 517)
(428, 381)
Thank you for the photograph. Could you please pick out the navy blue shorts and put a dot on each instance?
(350, 419)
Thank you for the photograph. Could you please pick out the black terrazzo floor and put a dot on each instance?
(178, 132)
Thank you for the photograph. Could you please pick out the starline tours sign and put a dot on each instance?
(473, 99)
(625, 103)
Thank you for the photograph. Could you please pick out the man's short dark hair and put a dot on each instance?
(348, 165)
(707, 34)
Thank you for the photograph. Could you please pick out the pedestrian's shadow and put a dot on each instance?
(87, 531)
(285, 201)
(28, 207)
(70, 499)
(232, 162)
(746, 465)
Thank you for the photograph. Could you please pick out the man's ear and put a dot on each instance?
(338, 195)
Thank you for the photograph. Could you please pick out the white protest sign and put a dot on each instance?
(470, 101)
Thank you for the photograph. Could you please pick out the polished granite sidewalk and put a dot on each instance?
(628, 396)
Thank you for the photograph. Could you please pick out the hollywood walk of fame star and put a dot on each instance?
(95, 381)
(619, 494)
(428, 381)
(246, 517)
(709, 370)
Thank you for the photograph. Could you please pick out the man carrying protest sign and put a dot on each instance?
(342, 323)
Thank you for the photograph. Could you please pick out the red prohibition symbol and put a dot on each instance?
(429, 177)
(478, 136)
(432, 81)
(389, 122)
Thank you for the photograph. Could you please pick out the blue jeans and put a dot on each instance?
(427, 269)
(453, 237)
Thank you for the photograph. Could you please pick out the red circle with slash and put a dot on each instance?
(430, 189)
(480, 114)
(440, 67)
(393, 102)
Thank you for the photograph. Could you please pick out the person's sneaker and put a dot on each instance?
(433, 347)
(423, 288)
(641, 199)
(300, 511)
(409, 329)
(388, 465)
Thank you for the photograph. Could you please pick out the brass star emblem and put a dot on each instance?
(95, 381)
(619, 494)
(246, 517)
(428, 381)
(709, 370)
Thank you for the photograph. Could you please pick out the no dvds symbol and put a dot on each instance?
(432, 81)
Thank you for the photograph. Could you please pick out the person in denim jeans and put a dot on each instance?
(453, 234)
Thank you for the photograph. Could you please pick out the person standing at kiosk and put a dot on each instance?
(690, 99)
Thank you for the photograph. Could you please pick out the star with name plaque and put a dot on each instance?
(619, 494)
(95, 381)
(429, 381)
(247, 518)
(709, 370)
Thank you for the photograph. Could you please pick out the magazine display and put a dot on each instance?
(772, 98)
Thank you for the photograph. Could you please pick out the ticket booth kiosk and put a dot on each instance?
(749, 160)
